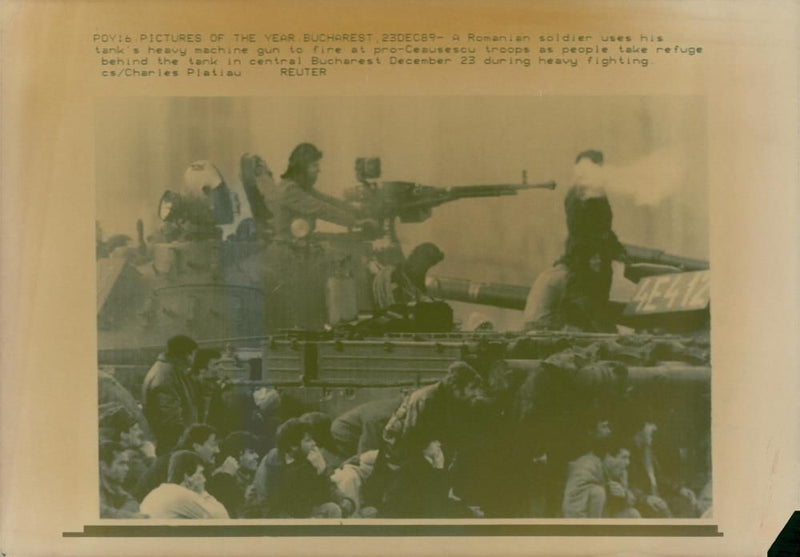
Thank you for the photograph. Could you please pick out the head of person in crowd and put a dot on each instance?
(433, 453)
(206, 364)
(117, 424)
(504, 380)
(113, 462)
(294, 439)
(464, 385)
(181, 351)
(645, 433)
(598, 434)
(319, 426)
(267, 400)
(304, 165)
(187, 469)
(616, 458)
(241, 446)
(591, 428)
(202, 440)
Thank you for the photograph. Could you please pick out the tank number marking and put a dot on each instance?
(677, 292)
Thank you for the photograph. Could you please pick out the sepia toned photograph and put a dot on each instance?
(438, 307)
(399, 278)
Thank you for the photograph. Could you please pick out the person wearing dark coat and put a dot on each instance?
(445, 411)
(420, 488)
(586, 204)
(170, 396)
(232, 482)
(658, 495)
(291, 480)
(438, 411)
(574, 294)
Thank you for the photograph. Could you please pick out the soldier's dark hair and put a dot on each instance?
(319, 426)
(195, 433)
(109, 450)
(302, 155)
(236, 443)
(290, 433)
(427, 251)
(593, 155)
(205, 355)
(181, 345)
(182, 464)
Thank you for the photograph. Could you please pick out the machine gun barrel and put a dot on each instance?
(431, 196)
(494, 190)
(412, 202)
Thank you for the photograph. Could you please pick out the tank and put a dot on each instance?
(300, 316)
(229, 282)
(188, 277)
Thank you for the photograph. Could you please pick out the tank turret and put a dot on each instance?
(214, 275)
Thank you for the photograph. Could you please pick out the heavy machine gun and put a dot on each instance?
(410, 202)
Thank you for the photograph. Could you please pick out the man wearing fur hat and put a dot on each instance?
(299, 204)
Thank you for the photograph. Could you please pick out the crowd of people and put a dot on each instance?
(500, 443)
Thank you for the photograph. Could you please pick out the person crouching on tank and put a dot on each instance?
(404, 283)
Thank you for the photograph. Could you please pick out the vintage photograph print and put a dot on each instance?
(449, 307)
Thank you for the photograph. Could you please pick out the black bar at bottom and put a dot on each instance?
(393, 530)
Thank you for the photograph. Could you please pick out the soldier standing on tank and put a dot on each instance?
(574, 293)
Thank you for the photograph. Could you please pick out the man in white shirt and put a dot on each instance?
(184, 494)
